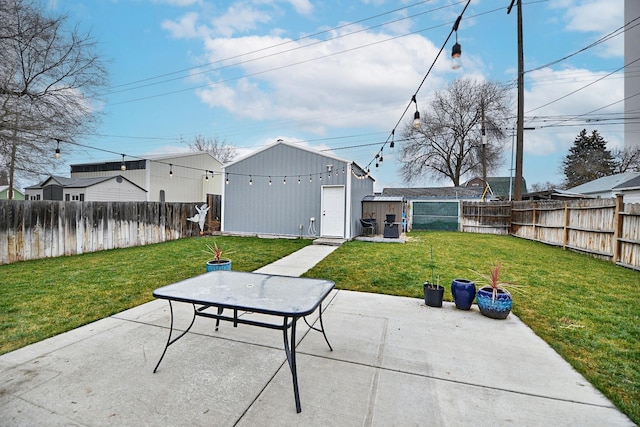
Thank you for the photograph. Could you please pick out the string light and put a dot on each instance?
(170, 170)
(416, 115)
(57, 154)
(298, 179)
(226, 181)
(250, 180)
(269, 180)
(284, 181)
(123, 167)
(456, 52)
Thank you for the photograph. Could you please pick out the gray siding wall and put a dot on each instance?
(278, 209)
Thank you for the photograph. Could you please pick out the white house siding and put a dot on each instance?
(279, 208)
(112, 191)
(188, 183)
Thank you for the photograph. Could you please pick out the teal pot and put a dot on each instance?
(223, 264)
(433, 295)
(463, 292)
(498, 308)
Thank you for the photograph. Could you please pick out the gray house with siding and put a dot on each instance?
(286, 189)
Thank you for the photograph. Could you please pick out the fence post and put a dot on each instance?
(617, 227)
(565, 225)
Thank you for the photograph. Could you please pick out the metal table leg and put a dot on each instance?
(291, 358)
(169, 340)
(321, 327)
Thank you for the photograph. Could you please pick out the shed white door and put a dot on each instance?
(332, 221)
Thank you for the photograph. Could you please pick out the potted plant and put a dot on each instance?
(433, 292)
(493, 299)
(217, 263)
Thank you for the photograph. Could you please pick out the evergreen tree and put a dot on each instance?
(587, 160)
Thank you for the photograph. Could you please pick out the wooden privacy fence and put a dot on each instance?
(41, 229)
(605, 228)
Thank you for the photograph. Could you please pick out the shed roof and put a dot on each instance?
(376, 198)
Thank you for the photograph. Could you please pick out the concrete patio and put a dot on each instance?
(396, 362)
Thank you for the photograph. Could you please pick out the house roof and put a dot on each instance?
(606, 183)
(79, 182)
(153, 157)
(631, 184)
(435, 192)
(500, 185)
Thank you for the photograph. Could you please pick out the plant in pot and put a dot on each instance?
(433, 292)
(217, 263)
(493, 298)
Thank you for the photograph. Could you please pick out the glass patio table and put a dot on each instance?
(285, 298)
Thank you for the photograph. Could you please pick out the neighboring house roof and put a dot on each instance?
(606, 183)
(79, 182)
(152, 157)
(435, 192)
(632, 184)
(500, 185)
(6, 187)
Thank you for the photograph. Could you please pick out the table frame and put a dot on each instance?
(289, 321)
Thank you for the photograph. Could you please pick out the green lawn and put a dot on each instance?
(583, 307)
(586, 309)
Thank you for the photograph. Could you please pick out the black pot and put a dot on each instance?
(433, 295)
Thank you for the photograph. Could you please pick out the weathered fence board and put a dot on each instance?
(43, 229)
(605, 228)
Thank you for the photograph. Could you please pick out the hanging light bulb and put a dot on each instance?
(269, 180)
(310, 179)
(456, 51)
(123, 167)
(170, 170)
(250, 180)
(206, 175)
(227, 180)
(393, 136)
(284, 181)
(416, 115)
(298, 179)
(57, 154)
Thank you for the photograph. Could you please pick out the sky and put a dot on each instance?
(339, 75)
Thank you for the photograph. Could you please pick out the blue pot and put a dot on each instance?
(224, 264)
(496, 309)
(463, 291)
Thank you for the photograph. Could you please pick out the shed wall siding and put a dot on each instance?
(279, 209)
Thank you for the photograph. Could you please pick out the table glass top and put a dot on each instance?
(261, 293)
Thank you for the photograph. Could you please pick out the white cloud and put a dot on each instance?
(239, 18)
(185, 27)
(554, 122)
(303, 7)
(598, 17)
(362, 87)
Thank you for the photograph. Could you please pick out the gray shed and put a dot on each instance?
(289, 190)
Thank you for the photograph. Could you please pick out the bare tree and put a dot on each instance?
(627, 159)
(48, 73)
(448, 143)
(218, 149)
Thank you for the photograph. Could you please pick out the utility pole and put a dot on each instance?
(517, 193)
(484, 148)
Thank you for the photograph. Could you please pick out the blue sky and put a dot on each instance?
(339, 74)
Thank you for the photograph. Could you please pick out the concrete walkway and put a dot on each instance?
(396, 362)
